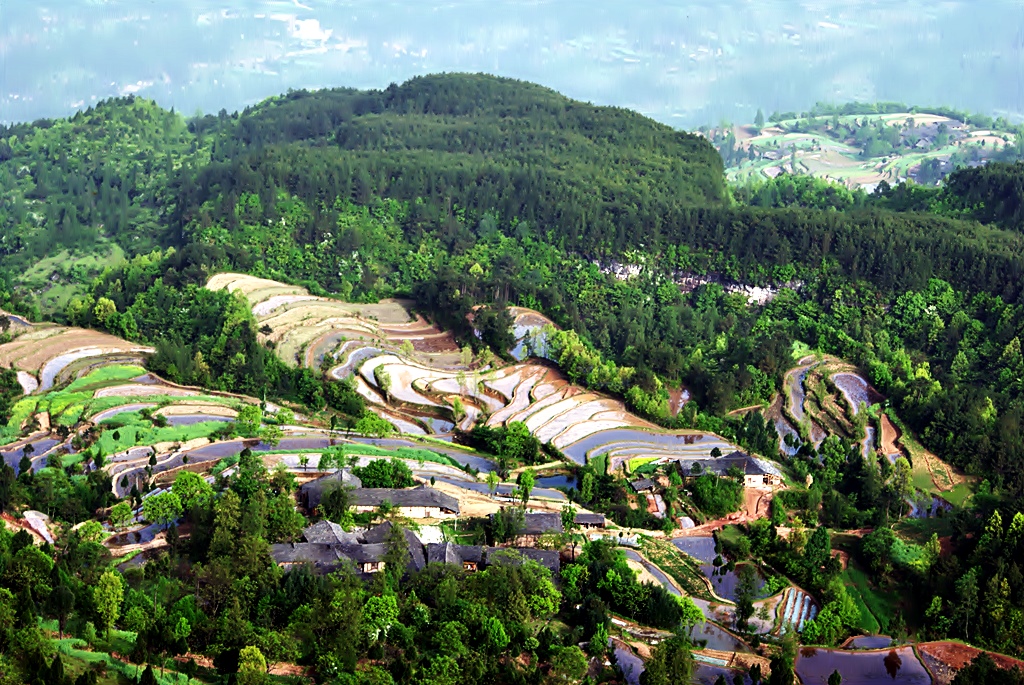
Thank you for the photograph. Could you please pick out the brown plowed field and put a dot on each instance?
(955, 656)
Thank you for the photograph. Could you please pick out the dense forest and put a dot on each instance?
(461, 191)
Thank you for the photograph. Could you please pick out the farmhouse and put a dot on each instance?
(379, 535)
(421, 502)
(329, 533)
(643, 485)
(756, 472)
(537, 525)
(311, 493)
(590, 521)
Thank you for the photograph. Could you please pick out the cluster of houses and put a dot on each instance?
(326, 546)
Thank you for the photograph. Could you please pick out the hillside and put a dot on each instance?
(490, 146)
(803, 398)
(860, 146)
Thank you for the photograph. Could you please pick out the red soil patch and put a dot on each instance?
(956, 655)
(890, 436)
(23, 525)
(677, 397)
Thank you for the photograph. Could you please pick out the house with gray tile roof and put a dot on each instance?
(312, 492)
(416, 503)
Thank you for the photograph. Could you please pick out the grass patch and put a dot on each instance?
(636, 462)
(867, 622)
(880, 607)
(921, 530)
(959, 495)
(600, 464)
(731, 535)
(410, 453)
(115, 373)
(799, 350)
(132, 431)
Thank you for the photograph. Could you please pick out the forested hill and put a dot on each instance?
(490, 145)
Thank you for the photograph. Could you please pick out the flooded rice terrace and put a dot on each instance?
(724, 582)
(900, 665)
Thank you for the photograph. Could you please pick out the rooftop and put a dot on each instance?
(328, 532)
(421, 496)
(314, 490)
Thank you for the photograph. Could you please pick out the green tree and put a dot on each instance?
(587, 487)
(495, 636)
(967, 596)
(252, 667)
(162, 508)
(492, 481)
(570, 526)
(120, 515)
(380, 613)
(671, 662)
(526, 481)
(192, 490)
(107, 597)
(248, 421)
(836, 678)
(383, 378)
(746, 592)
(568, 664)
(62, 602)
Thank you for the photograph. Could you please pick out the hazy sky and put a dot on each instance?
(685, 63)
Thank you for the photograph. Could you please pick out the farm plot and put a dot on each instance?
(305, 329)
(43, 353)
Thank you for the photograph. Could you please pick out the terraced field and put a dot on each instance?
(411, 374)
(317, 331)
(46, 355)
(826, 396)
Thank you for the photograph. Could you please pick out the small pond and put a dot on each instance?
(700, 548)
(437, 425)
(797, 394)
(703, 550)
(725, 582)
(13, 456)
(784, 428)
(603, 441)
(123, 409)
(192, 419)
(869, 441)
(708, 674)
(559, 481)
(869, 642)
(354, 360)
(715, 637)
(900, 665)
